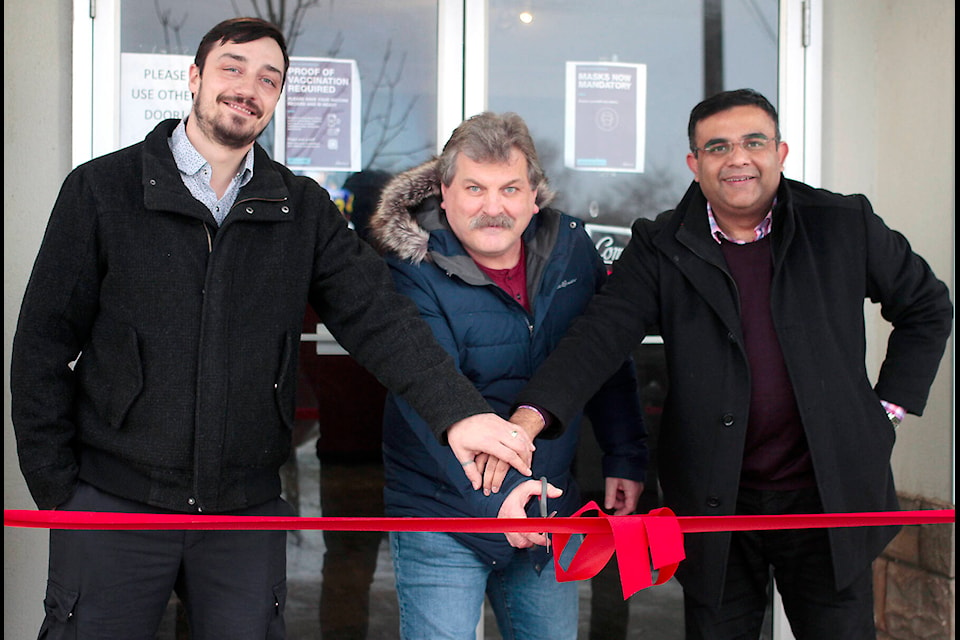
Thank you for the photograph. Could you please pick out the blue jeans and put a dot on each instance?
(441, 584)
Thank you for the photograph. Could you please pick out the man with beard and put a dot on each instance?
(154, 367)
(499, 276)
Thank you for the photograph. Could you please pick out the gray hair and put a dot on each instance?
(491, 137)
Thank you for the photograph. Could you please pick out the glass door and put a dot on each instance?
(606, 88)
(393, 46)
(613, 82)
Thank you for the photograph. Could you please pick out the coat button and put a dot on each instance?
(191, 501)
(713, 502)
(727, 420)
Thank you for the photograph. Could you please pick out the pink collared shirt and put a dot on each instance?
(761, 231)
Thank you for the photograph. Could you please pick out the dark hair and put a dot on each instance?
(239, 31)
(728, 100)
(491, 137)
(365, 187)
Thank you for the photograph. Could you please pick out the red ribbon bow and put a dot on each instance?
(642, 543)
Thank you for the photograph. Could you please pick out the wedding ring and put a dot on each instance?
(467, 463)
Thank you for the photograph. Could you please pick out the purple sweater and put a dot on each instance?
(775, 455)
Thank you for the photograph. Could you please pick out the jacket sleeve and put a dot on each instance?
(353, 294)
(617, 418)
(55, 321)
(418, 290)
(918, 306)
(603, 337)
(615, 411)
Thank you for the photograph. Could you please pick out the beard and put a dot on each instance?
(484, 221)
(226, 129)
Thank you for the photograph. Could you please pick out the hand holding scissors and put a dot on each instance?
(514, 506)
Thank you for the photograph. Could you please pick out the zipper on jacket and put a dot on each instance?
(257, 199)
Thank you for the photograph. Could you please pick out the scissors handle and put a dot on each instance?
(543, 496)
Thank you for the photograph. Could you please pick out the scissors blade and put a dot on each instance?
(543, 506)
(574, 542)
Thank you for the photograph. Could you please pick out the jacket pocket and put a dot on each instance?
(58, 605)
(110, 371)
(285, 387)
(276, 630)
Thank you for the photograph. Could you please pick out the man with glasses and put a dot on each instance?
(757, 283)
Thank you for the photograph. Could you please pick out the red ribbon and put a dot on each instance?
(641, 542)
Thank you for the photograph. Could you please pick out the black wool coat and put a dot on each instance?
(830, 252)
(186, 334)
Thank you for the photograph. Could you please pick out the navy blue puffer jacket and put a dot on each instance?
(498, 345)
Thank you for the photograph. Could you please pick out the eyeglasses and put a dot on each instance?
(721, 148)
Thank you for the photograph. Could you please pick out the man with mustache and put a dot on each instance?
(498, 276)
(154, 366)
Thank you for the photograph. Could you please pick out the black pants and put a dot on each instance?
(350, 559)
(803, 574)
(116, 584)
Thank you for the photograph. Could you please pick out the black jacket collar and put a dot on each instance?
(163, 189)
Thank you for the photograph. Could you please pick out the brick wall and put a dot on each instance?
(915, 580)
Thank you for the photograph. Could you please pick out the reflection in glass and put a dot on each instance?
(394, 44)
(665, 35)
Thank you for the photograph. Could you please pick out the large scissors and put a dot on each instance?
(575, 539)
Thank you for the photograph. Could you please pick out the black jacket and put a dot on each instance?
(187, 334)
(830, 252)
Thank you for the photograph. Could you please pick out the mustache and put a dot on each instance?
(484, 221)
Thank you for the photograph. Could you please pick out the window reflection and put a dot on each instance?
(393, 43)
(665, 35)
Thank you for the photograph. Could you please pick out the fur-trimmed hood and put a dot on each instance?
(397, 226)
(394, 227)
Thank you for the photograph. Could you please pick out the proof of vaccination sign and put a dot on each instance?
(322, 115)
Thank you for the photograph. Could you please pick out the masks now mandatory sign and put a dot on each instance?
(605, 116)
